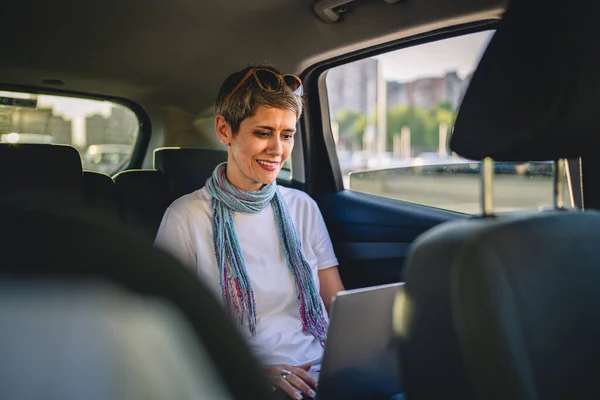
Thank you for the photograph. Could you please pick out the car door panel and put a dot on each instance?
(372, 235)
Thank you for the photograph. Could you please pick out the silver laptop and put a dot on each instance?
(361, 359)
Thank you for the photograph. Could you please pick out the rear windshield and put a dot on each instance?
(103, 132)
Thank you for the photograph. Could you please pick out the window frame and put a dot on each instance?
(140, 146)
(322, 172)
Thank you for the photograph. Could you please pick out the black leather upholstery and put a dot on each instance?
(37, 171)
(535, 92)
(504, 309)
(187, 168)
(509, 307)
(143, 197)
(100, 192)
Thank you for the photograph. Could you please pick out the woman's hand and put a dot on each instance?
(292, 380)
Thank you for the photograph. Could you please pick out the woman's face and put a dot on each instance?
(259, 149)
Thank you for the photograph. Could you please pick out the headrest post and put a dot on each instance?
(487, 180)
(559, 184)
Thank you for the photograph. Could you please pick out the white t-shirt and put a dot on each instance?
(186, 232)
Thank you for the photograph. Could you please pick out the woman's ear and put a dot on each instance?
(223, 130)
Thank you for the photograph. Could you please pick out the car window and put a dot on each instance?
(392, 117)
(286, 170)
(103, 132)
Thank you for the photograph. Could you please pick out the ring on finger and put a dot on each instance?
(285, 373)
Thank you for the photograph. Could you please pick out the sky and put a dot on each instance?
(461, 54)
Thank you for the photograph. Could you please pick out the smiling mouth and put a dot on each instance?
(268, 165)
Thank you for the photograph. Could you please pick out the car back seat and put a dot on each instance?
(100, 192)
(32, 172)
(36, 173)
(144, 195)
(187, 168)
(46, 172)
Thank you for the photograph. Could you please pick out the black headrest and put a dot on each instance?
(100, 192)
(535, 93)
(187, 168)
(39, 167)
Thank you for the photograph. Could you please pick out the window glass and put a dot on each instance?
(391, 119)
(286, 170)
(103, 132)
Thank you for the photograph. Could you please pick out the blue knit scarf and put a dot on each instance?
(236, 288)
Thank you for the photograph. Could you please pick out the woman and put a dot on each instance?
(263, 248)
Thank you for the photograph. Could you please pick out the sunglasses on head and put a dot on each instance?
(269, 81)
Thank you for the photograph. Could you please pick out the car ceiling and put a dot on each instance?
(175, 53)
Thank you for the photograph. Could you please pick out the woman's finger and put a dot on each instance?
(283, 384)
(305, 376)
(300, 384)
(306, 366)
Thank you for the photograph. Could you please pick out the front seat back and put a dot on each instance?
(507, 307)
(90, 339)
(41, 244)
(503, 308)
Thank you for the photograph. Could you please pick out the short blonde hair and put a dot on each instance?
(249, 97)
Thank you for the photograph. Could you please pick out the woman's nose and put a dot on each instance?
(275, 146)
